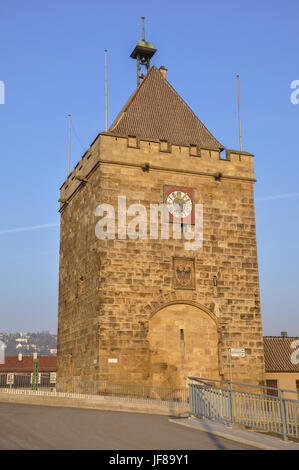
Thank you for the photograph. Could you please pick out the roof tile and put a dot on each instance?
(12, 364)
(278, 351)
(156, 111)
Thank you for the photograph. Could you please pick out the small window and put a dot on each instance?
(272, 384)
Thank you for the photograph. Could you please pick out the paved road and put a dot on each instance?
(45, 427)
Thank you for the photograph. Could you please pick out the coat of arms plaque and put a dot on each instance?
(184, 273)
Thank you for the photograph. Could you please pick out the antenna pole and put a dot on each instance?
(69, 147)
(240, 133)
(143, 37)
(106, 101)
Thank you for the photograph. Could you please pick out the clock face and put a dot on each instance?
(179, 204)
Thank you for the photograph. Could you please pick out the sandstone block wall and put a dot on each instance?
(117, 298)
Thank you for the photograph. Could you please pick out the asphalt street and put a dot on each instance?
(50, 428)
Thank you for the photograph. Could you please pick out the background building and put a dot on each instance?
(43, 343)
(282, 367)
(17, 371)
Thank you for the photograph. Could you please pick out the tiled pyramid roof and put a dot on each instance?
(278, 353)
(156, 111)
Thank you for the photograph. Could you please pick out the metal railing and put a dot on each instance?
(229, 402)
(232, 403)
(80, 386)
(129, 391)
(25, 380)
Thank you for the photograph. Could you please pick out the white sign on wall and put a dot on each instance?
(10, 379)
(113, 360)
(237, 352)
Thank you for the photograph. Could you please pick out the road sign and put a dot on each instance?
(237, 352)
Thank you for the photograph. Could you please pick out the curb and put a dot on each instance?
(241, 440)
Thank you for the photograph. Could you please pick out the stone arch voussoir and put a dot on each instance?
(154, 307)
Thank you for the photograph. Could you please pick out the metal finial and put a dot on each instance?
(143, 52)
(143, 37)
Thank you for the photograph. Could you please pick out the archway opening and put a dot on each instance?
(183, 342)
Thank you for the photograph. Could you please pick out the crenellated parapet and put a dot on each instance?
(156, 155)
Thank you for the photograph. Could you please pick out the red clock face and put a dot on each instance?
(179, 201)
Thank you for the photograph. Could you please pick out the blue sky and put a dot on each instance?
(52, 64)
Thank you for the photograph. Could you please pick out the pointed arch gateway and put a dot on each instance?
(183, 342)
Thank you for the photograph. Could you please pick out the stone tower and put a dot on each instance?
(146, 310)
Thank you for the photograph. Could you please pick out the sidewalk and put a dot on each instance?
(95, 402)
(254, 439)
